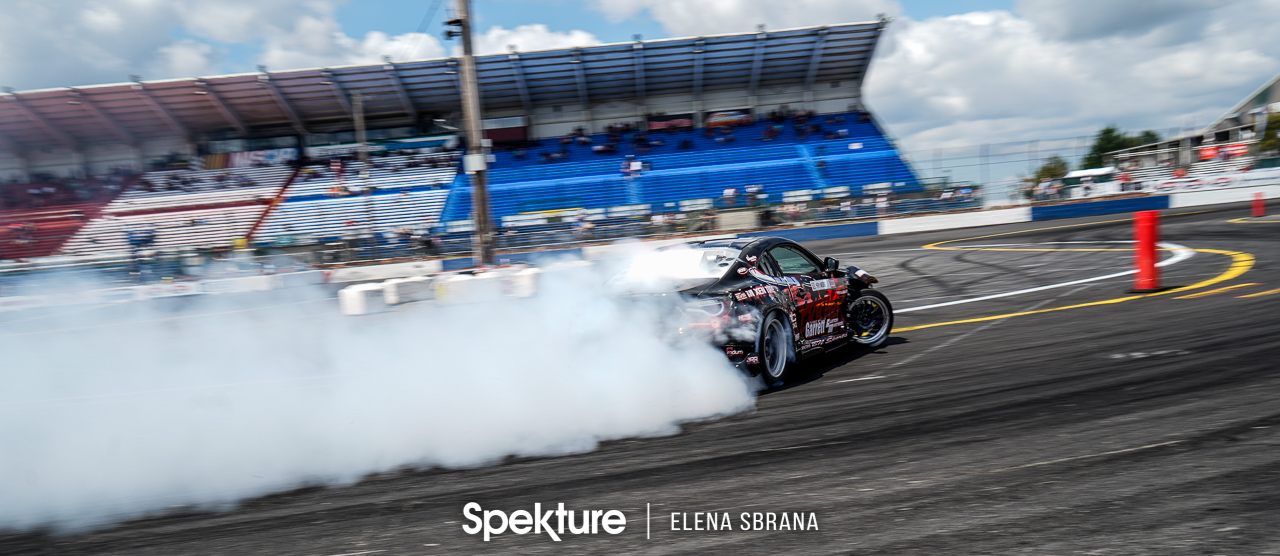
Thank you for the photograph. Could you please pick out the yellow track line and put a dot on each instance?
(1241, 263)
(1259, 294)
(1219, 290)
(1248, 220)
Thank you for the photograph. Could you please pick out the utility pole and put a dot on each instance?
(476, 161)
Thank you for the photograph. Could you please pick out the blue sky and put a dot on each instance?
(989, 71)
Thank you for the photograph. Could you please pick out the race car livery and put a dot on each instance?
(766, 302)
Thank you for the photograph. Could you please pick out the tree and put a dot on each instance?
(1053, 168)
(1112, 138)
(1271, 138)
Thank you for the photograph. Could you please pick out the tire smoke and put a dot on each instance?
(109, 413)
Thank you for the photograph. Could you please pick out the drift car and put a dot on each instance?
(767, 302)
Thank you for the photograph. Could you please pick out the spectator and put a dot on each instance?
(730, 195)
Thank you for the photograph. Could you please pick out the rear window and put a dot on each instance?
(678, 264)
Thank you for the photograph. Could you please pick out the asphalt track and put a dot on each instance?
(1074, 420)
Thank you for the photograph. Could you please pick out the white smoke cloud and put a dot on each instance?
(112, 419)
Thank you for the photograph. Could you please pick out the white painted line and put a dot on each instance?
(1180, 254)
(961, 337)
(358, 553)
(869, 377)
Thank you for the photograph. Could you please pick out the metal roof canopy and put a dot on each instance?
(288, 102)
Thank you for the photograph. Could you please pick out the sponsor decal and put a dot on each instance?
(755, 273)
(732, 351)
(752, 259)
(742, 270)
(821, 327)
(752, 360)
(758, 291)
(824, 284)
(746, 318)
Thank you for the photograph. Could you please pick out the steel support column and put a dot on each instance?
(163, 112)
(521, 86)
(265, 80)
(815, 61)
(43, 124)
(398, 84)
(338, 92)
(580, 77)
(699, 50)
(757, 65)
(207, 90)
(637, 51)
(120, 132)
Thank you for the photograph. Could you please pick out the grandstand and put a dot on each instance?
(400, 192)
(690, 167)
(780, 112)
(1229, 144)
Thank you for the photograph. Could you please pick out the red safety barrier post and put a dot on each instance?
(1259, 205)
(1146, 231)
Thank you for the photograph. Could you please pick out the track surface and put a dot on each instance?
(1149, 426)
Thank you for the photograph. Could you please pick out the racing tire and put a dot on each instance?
(869, 318)
(774, 347)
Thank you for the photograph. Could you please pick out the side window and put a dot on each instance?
(791, 262)
(769, 265)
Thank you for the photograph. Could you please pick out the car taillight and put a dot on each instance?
(710, 307)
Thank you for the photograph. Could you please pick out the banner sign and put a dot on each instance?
(728, 118)
(1269, 176)
(270, 157)
(665, 121)
(1211, 152)
(349, 149)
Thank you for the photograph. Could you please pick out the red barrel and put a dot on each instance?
(1146, 231)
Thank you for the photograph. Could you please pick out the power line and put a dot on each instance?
(422, 27)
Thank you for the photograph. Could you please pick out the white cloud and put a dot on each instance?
(683, 18)
(527, 38)
(186, 57)
(52, 43)
(996, 76)
(1087, 19)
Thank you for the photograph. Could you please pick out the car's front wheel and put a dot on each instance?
(774, 349)
(869, 318)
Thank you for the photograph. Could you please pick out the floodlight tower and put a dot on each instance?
(476, 161)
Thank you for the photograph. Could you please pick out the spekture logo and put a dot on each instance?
(521, 522)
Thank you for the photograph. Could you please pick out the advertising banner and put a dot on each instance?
(729, 118)
(270, 157)
(669, 121)
(1270, 176)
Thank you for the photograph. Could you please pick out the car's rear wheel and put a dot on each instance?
(869, 318)
(775, 350)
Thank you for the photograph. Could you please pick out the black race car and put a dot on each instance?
(767, 301)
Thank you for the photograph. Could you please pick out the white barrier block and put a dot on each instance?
(951, 221)
(452, 288)
(1216, 196)
(384, 271)
(523, 283)
(361, 299)
(407, 290)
